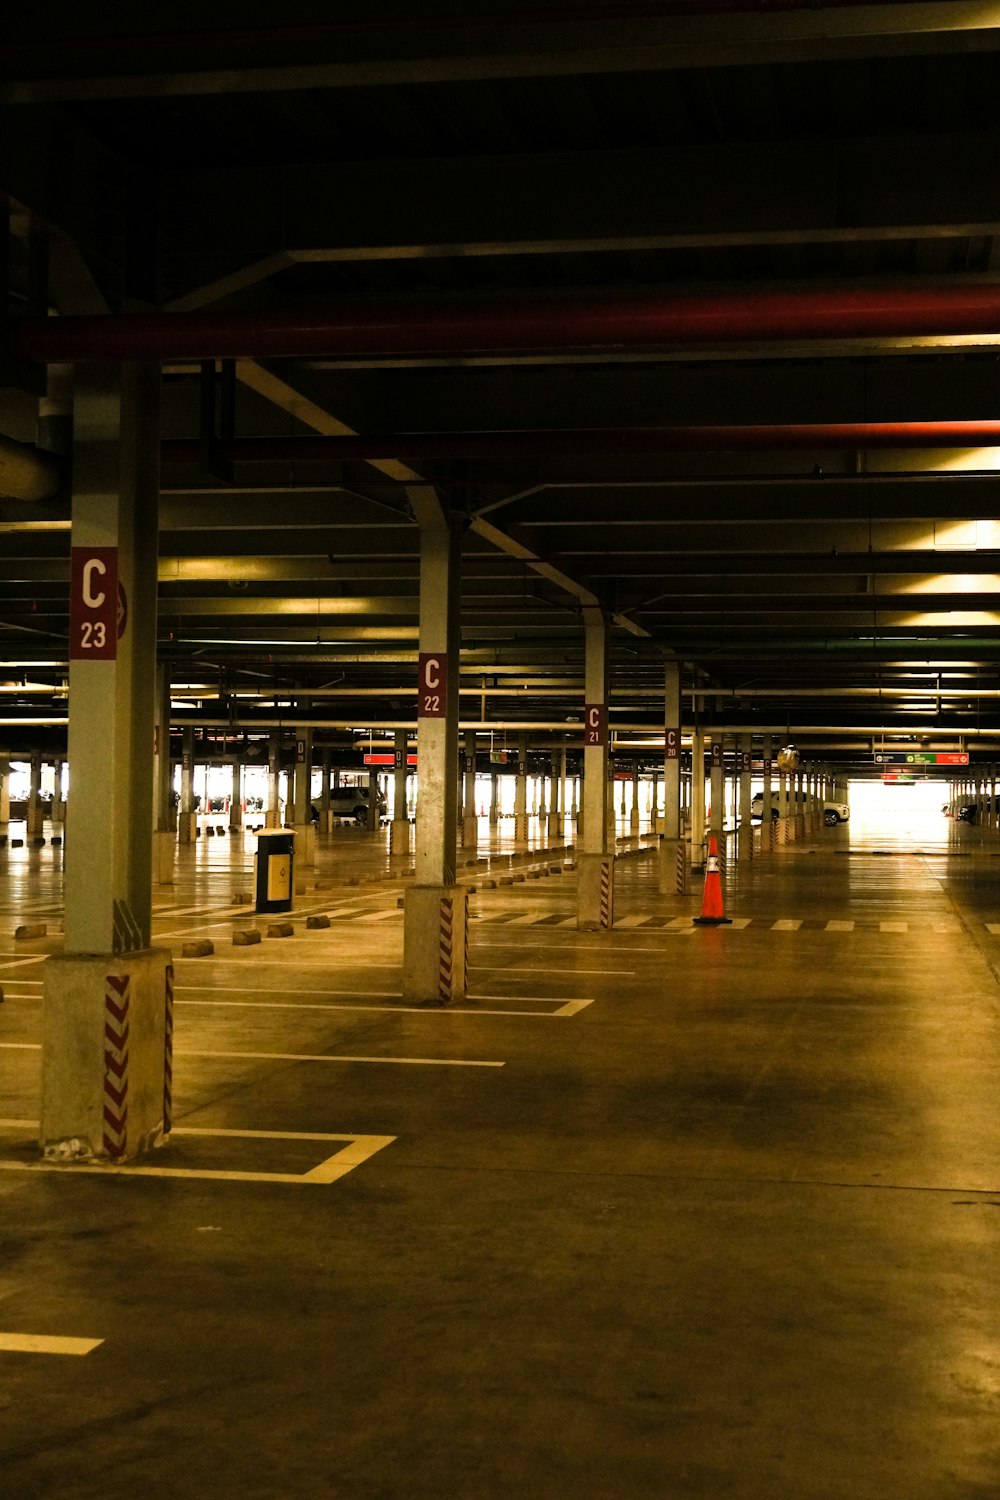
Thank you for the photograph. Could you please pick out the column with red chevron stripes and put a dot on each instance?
(105, 1064)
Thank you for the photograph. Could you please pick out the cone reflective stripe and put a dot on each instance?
(712, 914)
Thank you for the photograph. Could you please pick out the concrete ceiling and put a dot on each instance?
(840, 592)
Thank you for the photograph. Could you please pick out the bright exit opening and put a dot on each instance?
(900, 812)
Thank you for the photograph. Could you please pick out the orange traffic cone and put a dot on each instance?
(712, 914)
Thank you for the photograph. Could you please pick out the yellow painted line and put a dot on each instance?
(40, 1343)
(326, 1057)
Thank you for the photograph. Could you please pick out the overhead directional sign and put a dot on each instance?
(922, 758)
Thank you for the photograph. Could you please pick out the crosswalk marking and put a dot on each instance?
(786, 924)
(840, 926)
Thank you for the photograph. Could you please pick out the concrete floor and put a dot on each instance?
(729, 1228)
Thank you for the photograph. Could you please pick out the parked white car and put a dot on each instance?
(833, 812)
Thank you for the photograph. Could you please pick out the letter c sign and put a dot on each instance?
(595, 724)
(673, 744)
(432, 692)
(94, 603)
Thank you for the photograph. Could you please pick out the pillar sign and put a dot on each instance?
(432, 693)
(716, 753)
(673, 742)
(470, 763)
(768, 766)
(745, 761)
(300, 752)
(595, 724)
(94, 604)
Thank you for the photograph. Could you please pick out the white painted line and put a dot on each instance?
(631, 921)
(325, 1057)
(534, 969)
(894, 927)
(566, 922)
(380, 916)
(40, 1343)
(243, 989)
(839, 927)
(19, 963)
(357, 1149)
(406, 1010)
(676, 924)
(786, 924)
(993, 927)
(738, 924)
(530, 920)
(21, 1046)
(572, 1007)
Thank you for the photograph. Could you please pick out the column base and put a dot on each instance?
(107, 1030)
(470, 833)
(164, 852)
(595, 892)
(435, 944)
(554, 826)
(399, 836)
(744, 843)
(520, 828)
(187, 827)
(272, 818)
(673, 867)
(305, 845)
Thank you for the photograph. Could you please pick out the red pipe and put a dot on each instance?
(513, 326)
(608, 440)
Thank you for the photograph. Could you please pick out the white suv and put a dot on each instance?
(833, 812)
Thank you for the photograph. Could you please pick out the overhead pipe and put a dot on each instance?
(556, 442)
(604, 321)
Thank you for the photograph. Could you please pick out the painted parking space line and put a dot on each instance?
(345, 1057)
(354, 1150)
(380, 916)
(894, 927)
(631, 921)
(786, 924)
(20, 963)
(534, 969)
(739, 924)
(994, 928)
(42, 1343)
(835, 926)
(566, 1007)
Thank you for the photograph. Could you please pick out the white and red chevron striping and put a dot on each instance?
(168, 1052)
(116, 1034)
(445, 948)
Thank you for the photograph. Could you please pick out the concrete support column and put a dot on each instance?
(555, 799)
(673, 853)
(272, 813)
(521, 793)
(302, 823)
(106, 1063)
(595, 883)
(574, 811)
(4, 801)
(187, 818)
(470, 822)
(236, 796)
(634, 823)
(36, 811)
(164, 822)
(782, 805)
(744, 841)
(697, 800)
(435, 913)
(494, 799)
(58, 804)
(399, 830)
(324, 791)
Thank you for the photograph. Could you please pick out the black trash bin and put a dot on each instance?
(274, 869)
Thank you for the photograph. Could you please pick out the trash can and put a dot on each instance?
(273, 869)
